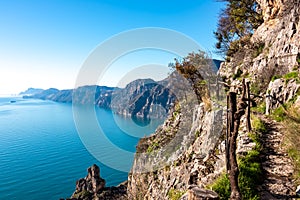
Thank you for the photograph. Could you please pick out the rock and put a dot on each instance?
(196, 193)
(270, 8)
(298, 191)
(279, 92)
(91, 184)
(92, 187)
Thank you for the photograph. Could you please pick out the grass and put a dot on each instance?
(249, 177)
(291, 75)
(275, 77)
(279, 114)
(261, 108)
(255, 88)
(152, 147)
(287, 77)
(258, 126)
(249, 167)
(174, 194)
(291, 143)
(222, 187)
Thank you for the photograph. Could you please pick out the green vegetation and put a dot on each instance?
(261, 108)
(292, 125)
(278, 114)
(249, 167)
(259, 126)
(275, 77)
(258, 49)
(197, 134)
(250, 174)
(222, 187)
(291, 75)
(288, 76)
(249, 178)
(236, 23)
(191, 67)
(174, 194)
(255, 88)
(83, 195)
(238, 74)
(152, 147)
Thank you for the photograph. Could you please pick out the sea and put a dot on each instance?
(42, 152)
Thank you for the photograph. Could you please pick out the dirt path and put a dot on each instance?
(277, 166)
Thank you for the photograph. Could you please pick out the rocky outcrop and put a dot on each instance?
(196, 193)
(280, 91)
(188, 158)
(273, 49)
(93, 187)
(90, 185)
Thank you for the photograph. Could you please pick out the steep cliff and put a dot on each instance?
(272, 52)
(187, 153)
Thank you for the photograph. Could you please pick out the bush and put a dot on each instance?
(250, 171)
(174, 194)
(275, 77)
(152, 147)
(222, 187)
(261, 108)
(259, 126)
(291, 75)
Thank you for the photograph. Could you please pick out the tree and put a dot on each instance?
(238, 20)
(196, 68)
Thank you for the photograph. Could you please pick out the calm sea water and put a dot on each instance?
(41, 154)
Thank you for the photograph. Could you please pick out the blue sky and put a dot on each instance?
(44, 43)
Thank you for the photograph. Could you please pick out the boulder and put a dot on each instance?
(197, 193)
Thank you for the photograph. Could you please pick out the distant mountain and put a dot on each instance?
(31, 91)
(142, 98)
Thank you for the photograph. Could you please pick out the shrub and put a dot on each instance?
(278, 114)
(152, 147)
(250, 170)
(291, 75)
(222, 187)
(275, 77)
(261, 108)
(174, 194)
(259, 126)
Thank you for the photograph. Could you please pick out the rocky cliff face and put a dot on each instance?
(143, 98)
(181, 154)
(272, 52)
(187, 152)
